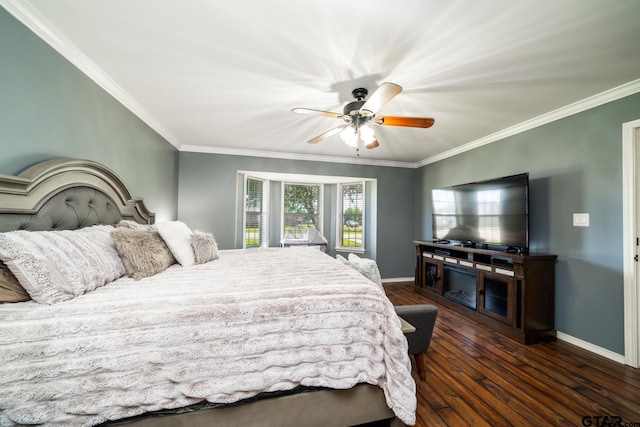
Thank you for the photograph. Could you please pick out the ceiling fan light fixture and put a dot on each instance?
(349, 136)
(352, 135)
(366, 134)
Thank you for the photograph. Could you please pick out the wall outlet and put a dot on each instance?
(580, 219)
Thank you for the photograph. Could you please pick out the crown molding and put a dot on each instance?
(560, 113)
(294, 156)
(24, 12)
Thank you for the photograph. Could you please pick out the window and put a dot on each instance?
(301, 209)
(351, 231)
(335, 203)
(255, 213)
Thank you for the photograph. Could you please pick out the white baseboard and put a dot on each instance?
(591, 347)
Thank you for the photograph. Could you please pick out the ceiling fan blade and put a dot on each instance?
(317, 113)
(373, 144)
(327, 134)
(385, 93)
(412, 122)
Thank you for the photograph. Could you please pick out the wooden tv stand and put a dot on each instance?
(511, 293)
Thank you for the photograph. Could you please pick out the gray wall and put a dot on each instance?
(207, 200)
(575, 165)
(48, 109)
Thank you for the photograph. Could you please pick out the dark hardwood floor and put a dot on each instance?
(478, 377)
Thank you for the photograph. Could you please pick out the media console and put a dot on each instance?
(509, 292)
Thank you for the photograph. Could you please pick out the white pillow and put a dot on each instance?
(367, 267)
(55, 266)
(342, 259)
(177, 235)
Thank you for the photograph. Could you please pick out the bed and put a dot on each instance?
(274, 336)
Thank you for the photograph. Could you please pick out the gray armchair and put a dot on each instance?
(423, 318)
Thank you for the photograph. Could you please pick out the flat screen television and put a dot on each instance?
(490, 214)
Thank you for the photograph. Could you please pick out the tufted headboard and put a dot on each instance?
(65, 194)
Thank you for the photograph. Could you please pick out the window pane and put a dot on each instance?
(254, 214)
(352, 214)
(301, 209)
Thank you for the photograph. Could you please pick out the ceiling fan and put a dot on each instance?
(359, 114)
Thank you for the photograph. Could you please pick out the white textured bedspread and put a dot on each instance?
(252, 321)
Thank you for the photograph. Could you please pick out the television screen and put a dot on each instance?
(493, 212)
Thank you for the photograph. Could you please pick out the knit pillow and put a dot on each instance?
(367, 267)
(342, 259)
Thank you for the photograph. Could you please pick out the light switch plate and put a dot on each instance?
(580, 219)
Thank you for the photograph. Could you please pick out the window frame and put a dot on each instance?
(340, 247)
(263, 223)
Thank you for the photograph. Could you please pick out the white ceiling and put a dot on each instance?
(223, 76)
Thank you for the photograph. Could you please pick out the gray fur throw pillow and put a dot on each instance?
(143, 252)
(205, 247)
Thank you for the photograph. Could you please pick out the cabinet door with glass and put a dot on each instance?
(496, 296)
(431, 275)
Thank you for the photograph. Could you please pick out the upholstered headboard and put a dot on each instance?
(65, 194)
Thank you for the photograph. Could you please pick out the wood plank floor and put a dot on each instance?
(478, 377)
